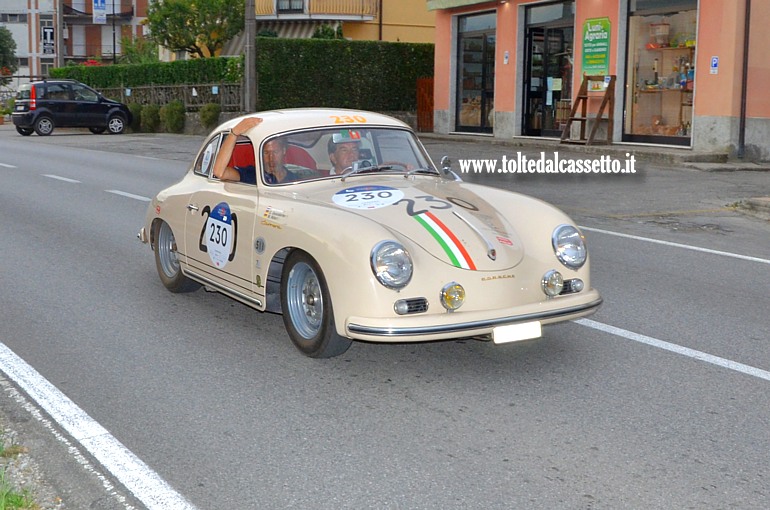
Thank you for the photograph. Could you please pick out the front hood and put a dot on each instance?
(450, 220)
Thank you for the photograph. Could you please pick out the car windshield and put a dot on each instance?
(342, 152)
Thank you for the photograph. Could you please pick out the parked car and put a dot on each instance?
(42, 106)
(394, 249)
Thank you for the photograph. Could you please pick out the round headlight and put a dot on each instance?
(569, 246)
(391, 264)
(452, 296)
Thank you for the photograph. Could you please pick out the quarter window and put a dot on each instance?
(205, 161)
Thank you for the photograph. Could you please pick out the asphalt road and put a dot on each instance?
(660, 400)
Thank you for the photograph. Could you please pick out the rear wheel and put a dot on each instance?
(307, 308)
(44, 125)
(24, 131)
(97, 130)
(167, 262)
(116, 124)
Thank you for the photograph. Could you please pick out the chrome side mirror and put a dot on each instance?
(446, 169)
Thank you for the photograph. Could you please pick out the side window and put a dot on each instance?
(205, 161)
(82, 93)
(57, 91)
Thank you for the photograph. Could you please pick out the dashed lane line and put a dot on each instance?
(129, 195)
(678, 245)
(678, 349)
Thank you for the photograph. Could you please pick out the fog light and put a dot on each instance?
(452, 296)
(401, 307)
(552, 283)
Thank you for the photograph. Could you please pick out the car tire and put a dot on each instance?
(97, 130)
(167, 262)
(44, 125)
(307, 308)
(116, 124)
(24, 131)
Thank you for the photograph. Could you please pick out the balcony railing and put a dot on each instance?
(122, 9)
(318, 9)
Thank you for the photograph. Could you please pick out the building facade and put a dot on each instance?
(51, 33)
(512, 68)
(374, 20)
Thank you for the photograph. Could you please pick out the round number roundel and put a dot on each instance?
(219, 234)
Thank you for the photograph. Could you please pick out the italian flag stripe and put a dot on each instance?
(452, 246)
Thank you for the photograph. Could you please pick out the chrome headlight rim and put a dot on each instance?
(380, 267)
(569, 246)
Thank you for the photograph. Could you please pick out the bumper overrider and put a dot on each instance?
(473, 324)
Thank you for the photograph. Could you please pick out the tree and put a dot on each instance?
(138, 51)
(8, 61)
(199, 27)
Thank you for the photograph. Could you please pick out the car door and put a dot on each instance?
(88, 109)
(58, 101)
(219, 228)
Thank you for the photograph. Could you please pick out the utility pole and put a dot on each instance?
(249, 65)
(114, 46)
(59, 33)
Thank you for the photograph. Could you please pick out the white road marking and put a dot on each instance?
(129, 195)
(60, 178)
(146, 485)
(678, 349)
(677, 245)
(5, 165)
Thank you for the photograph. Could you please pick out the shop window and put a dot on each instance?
(660, 80)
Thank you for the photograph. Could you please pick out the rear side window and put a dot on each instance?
(24, 91)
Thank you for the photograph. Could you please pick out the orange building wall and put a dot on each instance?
(405, 21)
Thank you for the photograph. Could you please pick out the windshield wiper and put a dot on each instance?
(422, 170)
(359, 168)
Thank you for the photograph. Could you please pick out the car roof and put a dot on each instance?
(290, 119)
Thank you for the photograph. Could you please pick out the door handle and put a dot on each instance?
(191, 207)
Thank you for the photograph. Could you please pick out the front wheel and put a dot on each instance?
(167, 262)
(307, 308)
(116, 124)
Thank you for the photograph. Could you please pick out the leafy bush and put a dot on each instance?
(150, 118)
(209, 115)
(172, 116)
(136, 112)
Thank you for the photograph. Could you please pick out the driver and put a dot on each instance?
(342, 154)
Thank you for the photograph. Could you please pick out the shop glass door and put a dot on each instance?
(476, 73)
(547, 80)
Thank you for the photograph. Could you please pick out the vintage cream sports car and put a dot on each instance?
(388, 249)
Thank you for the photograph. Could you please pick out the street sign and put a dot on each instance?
(49, 46)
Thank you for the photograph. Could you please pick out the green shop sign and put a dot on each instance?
(596, 46)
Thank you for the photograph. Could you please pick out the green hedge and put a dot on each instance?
(370, 75)
(200, 70)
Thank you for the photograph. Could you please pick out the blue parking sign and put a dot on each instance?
(714, 65)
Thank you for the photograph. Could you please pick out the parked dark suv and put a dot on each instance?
(44, 105)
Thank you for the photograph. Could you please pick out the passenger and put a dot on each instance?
(246, 174)
(342, 154)
(273, 155)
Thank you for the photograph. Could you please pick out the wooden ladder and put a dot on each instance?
(608, 103)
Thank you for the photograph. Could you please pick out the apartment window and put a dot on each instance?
(23, 62)
(46, 64)
(13, 18)
(288, 6)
